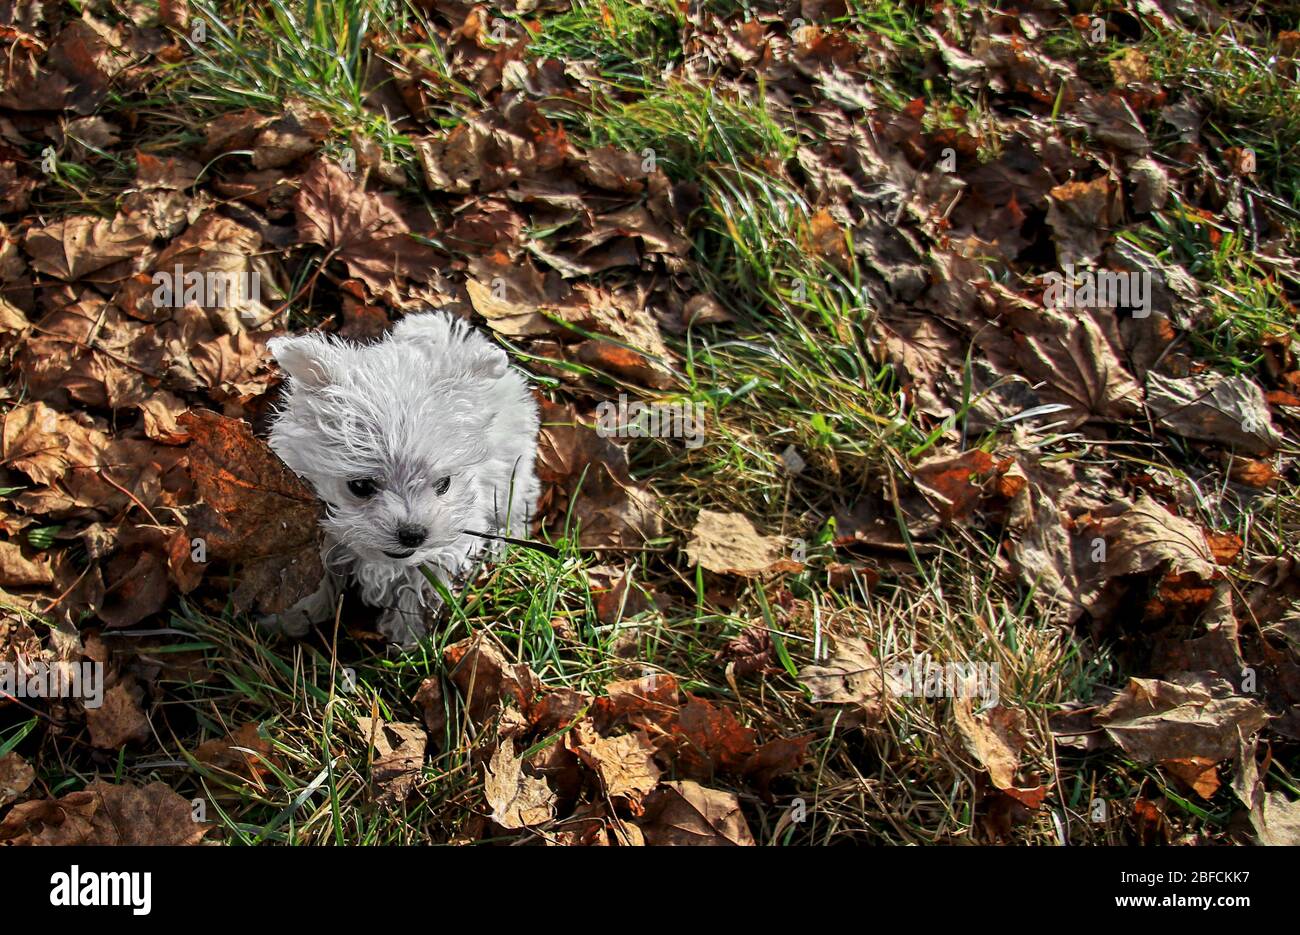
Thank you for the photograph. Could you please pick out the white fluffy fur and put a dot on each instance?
(434, 399)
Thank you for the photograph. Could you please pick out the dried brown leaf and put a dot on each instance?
(1155, 720)
(686, 813)
(517, 799)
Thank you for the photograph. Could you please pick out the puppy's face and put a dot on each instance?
(390, 439)
(395, 506)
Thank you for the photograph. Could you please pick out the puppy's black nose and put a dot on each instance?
(411, 536)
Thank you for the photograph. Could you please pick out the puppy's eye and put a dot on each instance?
(362, 487)
(440, 486)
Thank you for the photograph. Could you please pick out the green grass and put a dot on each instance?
(624, 41)
(1252, 102)
(315, 53)
(796, 371)
(260, 55)
(1245, 297)
(897, 29)
(689, 127)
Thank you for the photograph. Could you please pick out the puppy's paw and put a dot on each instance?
(402, 628)
(410, 617)
(316, 608)
(294, 625)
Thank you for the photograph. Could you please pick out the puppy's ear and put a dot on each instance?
(442, 333)
(311, 359)
(485, 359)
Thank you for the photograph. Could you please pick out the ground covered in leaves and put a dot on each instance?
(948, 560)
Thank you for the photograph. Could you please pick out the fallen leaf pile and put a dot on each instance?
(633, 765)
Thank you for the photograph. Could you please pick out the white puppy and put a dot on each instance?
(411, 443)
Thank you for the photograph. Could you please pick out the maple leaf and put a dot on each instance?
(365, 231)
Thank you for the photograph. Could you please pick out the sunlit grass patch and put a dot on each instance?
(260, 55)
(1245, 294)
(688, 127)
(316, 55)
(625, 41)
(1250, 89)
